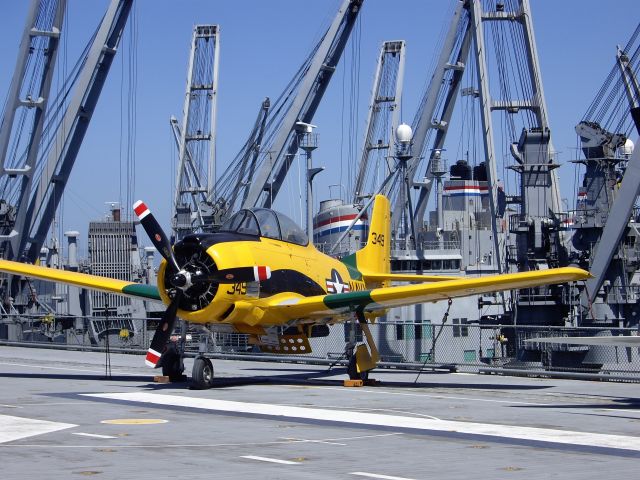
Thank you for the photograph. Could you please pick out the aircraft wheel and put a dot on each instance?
(352, 370)
(172, 365)
(202, 373)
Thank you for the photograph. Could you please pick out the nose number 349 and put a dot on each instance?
(238, 289)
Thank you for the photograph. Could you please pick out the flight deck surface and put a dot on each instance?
(61, 418)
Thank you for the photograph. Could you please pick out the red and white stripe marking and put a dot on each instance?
(340, 223)
(261, 273)
(341, 218)
(141, 209)
(152, 358)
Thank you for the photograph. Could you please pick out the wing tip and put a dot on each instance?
(579, 273)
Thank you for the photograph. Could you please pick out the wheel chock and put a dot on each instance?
(161, 379)
(353, 383)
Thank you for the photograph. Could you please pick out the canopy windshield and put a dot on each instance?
(265, 223)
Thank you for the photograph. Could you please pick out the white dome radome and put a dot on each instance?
(404, 133)
(627, 148)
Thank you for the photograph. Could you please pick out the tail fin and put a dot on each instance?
(375, 257)
(372, 264)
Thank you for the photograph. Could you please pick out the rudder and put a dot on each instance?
(375, 257)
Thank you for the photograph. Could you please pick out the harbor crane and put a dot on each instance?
(36, 167)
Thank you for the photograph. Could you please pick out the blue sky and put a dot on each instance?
(262, 44)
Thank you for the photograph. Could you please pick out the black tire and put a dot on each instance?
(352, 370)
(172, 365)
(202, 373)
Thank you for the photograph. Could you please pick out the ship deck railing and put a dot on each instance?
(460, 344)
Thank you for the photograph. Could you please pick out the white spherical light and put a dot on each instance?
(627, 148)
(404, 133)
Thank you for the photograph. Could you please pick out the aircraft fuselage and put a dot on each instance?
(298, 270)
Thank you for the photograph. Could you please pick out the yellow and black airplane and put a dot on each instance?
(260, 275)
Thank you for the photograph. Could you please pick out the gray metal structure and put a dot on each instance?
(442, 91)
(378, 168)
(33, 180)
(539, 196)
(308, 141)
(57, 167)
(628, 76)
(29, 93)
(379, 143)
(463, 233)
(617, 221)
(196, 139)
(45, 181)
(262, 191)
(607, 143)
(249, 163)
(606, 221)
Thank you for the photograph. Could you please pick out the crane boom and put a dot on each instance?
(314, 84)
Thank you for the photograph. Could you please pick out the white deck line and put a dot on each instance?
(270, 460)
(15, 428)
(353, 417)
(92, 435)
(377, 475)
(44, 367)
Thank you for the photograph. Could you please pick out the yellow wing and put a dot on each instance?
(288, 306)
(400, 277)
(282, 308)
(94, 282)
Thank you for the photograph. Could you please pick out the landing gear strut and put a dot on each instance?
(352, 367)
(172, 364)
(361, 361)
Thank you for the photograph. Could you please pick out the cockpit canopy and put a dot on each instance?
(265, 223)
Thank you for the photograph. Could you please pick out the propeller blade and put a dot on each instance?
(155, 233)
(163, 331)
(241, 274)
(227, 275)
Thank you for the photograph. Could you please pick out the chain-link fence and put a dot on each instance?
(457, 346)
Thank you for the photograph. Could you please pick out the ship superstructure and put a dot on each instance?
(477, 226)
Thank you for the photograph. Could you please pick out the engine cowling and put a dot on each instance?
(207, 255)
(191, 254)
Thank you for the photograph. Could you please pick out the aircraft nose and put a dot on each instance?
(178, 280)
